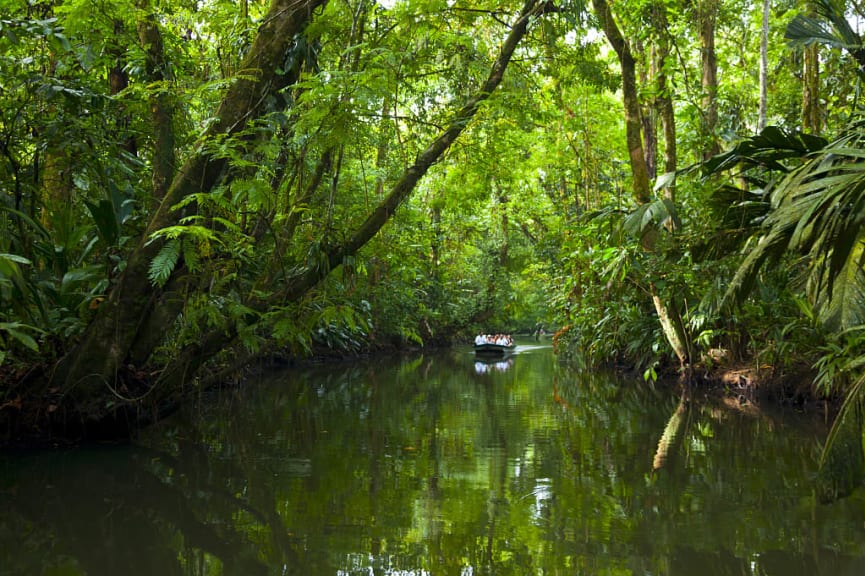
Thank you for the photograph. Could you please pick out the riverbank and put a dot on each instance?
(33, 413)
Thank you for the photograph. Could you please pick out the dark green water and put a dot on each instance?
(433, 466)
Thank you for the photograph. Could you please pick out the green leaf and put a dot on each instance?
(75, 278)
(11, 35)
(9, 265)
(197, 232)
(15, 258)
(191, 256)
(803, 31)
(665, 180)
(105, 220)
(12, 328)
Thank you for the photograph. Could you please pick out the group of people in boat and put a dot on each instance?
(500, 339)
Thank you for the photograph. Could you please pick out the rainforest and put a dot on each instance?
(673, 189)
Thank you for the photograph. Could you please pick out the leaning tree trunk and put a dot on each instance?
(193, 356)
(95, 365)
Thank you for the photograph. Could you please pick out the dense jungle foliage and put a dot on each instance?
(186, 187)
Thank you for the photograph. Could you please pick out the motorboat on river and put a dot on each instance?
(487, 349)
(497, 346)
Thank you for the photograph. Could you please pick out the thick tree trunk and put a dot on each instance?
(811, 113)
(664, 99)
(707, 11)
(55, 177)
(161, 104)
(650, 136)
(645, 56)
(56, 186)
(118, 81)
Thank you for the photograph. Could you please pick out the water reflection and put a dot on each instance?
(500, 365)
(424, 466)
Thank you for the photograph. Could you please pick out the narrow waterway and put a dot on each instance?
(438, 465)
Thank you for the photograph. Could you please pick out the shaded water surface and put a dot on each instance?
(437, 465)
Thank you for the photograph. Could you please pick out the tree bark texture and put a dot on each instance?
(161, 103)
(647, 114)
(811, 113)
(707, 12)
(668, 314)
(633, 134)
(118, 81)
(673, 327)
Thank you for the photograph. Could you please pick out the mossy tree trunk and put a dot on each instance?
(811, 112)
(663, 98)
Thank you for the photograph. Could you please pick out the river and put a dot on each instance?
(438, 465)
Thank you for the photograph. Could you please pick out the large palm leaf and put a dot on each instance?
(830, 27)
(757, 163)
(817, 211)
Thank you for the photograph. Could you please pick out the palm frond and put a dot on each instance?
(803, 31)
(844, 307)
(830, 27)
(817, 211)
(771, 149)
(768, 248)
(660, 213)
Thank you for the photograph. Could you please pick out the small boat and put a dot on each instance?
(489, 350)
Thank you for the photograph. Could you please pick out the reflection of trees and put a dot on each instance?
(426, 466)
(124, 511)
(712, 508)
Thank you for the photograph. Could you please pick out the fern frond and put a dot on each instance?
(191, 256)
(163, 264)
(215, 199)
(199, 233)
